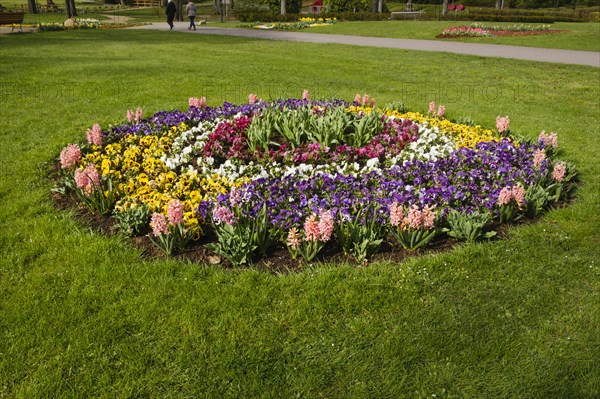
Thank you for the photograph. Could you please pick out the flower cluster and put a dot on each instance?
(464, 31)
(302, 23)
(502, 124)
(87, 179)
(70, 156)
(548, 139)
(169, 232)
(484, 30)
(441, 110)
(308, 172)
(94, 135)
(507, 194)
(317, 231)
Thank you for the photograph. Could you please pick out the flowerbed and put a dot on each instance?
(308, 175)
(78, 24)
(482, 30)
(302, 23)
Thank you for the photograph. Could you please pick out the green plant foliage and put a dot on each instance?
(348, 5)
(303, 125)
(361, 240)
(238, 240)
(468, 227)
(133, 222)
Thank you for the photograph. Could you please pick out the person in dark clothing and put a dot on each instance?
(170, 11)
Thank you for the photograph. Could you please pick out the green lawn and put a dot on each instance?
(578, 36)
(83, 315)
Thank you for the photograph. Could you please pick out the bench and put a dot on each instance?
(407, 14)
(146, 3)
(12, 18)
(49, 7)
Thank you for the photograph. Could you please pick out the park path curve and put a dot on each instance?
(588, 58)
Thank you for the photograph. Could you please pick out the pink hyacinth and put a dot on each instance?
(559, 172)
(518, 194)
(505, 196)
(428, 215)
(502, 124)
(252, 98)
(70, 156)
(326, 225)
(358, 98)
(365, 100)
(87, 179)
(305, 95)
(197, 102)
(539, 156)
(235, 196)
(293, 238)
(175, 212)
(130, 116)
(159, 224)
(396, 214)
(138, 114)
(548, 140)
(94, 135)
(441, 112)
(432, 108)
(311, 228)
(414, 217)
(223, 214)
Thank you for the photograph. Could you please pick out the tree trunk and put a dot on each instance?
(498, 5)
(68, 8)
(73, 9)
(445, 7)
(283, 10)
(32, 6)
(380, 6)
(179, 15)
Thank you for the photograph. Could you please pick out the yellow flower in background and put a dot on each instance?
(356, 109)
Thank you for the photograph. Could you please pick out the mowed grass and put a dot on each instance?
(575, 36)
(83, 315)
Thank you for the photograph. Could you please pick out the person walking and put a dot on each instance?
(170, 11)
(190, 8)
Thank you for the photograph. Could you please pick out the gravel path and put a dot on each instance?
(589, 58)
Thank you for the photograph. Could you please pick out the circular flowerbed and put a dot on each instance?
(315, 178)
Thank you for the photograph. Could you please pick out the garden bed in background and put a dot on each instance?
(484, 30)
(285, 183)
(302, 23)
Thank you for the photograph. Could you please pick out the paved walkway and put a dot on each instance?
(589, 58)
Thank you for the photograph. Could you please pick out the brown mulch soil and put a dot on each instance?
(279, 261)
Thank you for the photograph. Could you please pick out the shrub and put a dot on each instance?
(348, 5)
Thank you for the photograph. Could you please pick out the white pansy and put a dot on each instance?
(372, 163)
